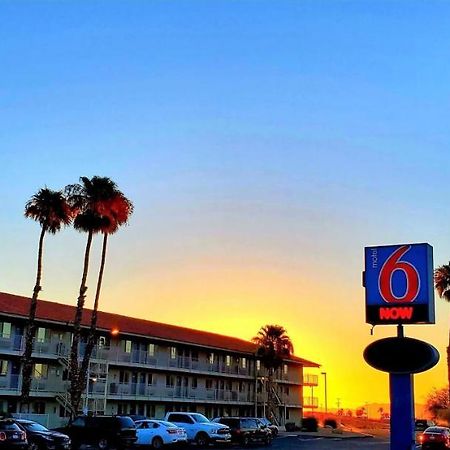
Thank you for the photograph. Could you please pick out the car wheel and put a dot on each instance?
(103, 444)
(157, 442)
(202, 440)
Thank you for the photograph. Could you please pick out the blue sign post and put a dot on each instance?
(399, 290)
(401, 392)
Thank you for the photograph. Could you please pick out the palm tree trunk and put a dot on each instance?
(75, 393)
(92, 330)
(448, 368)
(27, 367)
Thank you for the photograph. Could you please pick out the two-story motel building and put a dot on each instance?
(142, 367)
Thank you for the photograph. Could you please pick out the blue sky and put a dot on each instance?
(264, 143)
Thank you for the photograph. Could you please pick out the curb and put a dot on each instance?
(313, 435)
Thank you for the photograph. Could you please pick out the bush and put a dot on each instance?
(309, 424)
(330, 423)
(290, 426)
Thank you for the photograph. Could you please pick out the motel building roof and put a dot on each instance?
(57, 313)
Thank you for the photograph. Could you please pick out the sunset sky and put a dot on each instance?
(263, 143)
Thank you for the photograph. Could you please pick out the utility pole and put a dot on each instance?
(326, 399)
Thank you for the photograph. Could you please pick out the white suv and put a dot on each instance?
(199, 429)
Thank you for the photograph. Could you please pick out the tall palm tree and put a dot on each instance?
(274, 345)
(93, 199)
(117, 211)
(442, 286)
(52, 211)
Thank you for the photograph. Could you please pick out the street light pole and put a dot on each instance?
(326, 399)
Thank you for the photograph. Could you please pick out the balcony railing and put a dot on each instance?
(42, 385)
(310, 380)
(133, 390)
(163, 361)
(310, 402)
(55, 348)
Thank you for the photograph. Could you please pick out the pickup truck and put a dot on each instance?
(199, 429)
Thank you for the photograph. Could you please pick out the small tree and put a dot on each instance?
(437, 401)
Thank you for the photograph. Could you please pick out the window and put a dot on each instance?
(211, 358)
(40, 370)
(3, 367)
(151, 350)
(286, 390)
(38, 408)
(124, 377)
(228, 360)
(209, 384)
(241, 386)
(194, 383)
(244, 363)
(151, 410)
(194, 355)
(169, 381)
(181, 418)
(5, 329)
(149, 379)
(79, 422)
(285, 369)
(173, 352)
(229, 385)
(258, 364)
(127, 346)
(41, 334)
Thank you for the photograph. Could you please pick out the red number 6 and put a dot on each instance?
(387, 271)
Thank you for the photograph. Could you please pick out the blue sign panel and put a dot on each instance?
(399, 284)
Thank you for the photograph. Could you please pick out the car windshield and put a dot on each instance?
(200, 418)
(33, 426)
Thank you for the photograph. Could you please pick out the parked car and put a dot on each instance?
(103, 431)
(158, 433)
(423, 424)
(272, 427)
(12, 437)
(435, 438)
(199, 429)
(41, 438)
(247, 430)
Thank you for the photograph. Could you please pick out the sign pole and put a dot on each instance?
(401, 392)
(402, 411)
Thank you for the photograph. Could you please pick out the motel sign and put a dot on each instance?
(398, 281)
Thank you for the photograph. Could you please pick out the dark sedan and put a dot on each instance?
(435, 438)
(12, 437)
(41, 438)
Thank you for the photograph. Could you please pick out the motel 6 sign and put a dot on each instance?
(399, 284)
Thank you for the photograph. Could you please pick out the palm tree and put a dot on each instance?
(274, 345)
(96, 201)
(117, 211)
(52, 211)
(442, 286)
